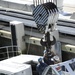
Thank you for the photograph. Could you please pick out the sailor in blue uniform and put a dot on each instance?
(48, 59)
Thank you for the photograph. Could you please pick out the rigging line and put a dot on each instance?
(29, 40)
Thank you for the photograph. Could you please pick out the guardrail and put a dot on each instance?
(9, 51)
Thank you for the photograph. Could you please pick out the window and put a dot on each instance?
(64, 68)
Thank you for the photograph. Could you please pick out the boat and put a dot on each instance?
(25, 64)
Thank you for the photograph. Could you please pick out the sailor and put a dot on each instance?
(49, 58)
(41, 66)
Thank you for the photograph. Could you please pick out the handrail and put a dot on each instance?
(8, 51)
